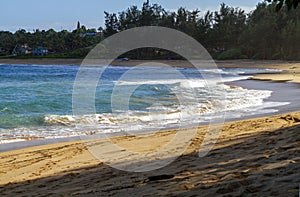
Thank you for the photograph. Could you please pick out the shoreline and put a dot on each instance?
(31, 141)
(178, 63)
(42, 61)
(242, 161)
(285, 66)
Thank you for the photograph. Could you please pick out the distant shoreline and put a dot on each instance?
(291, 68)
(176, 63)
(42, 61)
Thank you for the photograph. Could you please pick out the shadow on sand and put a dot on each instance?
(265, 164)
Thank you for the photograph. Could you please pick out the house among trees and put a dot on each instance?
(83, 31)
(25, 50)
(21, 50)
(40, 51)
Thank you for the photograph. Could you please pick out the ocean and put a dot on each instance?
(36, 100)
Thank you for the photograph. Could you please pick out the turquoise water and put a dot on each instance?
(29, 92)
(36, 100)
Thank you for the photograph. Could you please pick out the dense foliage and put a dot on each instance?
(59, 44)
(289, 3)
(230, 33)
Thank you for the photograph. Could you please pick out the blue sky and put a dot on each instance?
(64, 14)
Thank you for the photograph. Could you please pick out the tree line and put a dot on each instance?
(271, 31)
(60, 44)
(229, 33)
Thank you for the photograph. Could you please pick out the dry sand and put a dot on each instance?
(291, 73)
(256, 157)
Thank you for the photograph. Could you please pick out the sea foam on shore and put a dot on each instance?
(37, 100)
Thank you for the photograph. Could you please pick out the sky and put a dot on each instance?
(64, 14)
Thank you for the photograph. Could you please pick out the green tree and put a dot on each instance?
(7, 41)
(111, 24)
(229, 23)
(289, 3)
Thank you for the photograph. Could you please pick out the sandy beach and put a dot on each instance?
(291, 73)
(253, 157)
(256, 157)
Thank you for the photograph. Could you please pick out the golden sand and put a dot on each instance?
(256, 157)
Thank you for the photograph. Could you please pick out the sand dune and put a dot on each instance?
(256, 157)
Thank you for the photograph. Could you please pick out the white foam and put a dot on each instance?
(203, 99)
(188, 83)
(239, 101)
(150, 82)
(5, 141)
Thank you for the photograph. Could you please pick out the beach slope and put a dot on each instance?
(255, 157)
